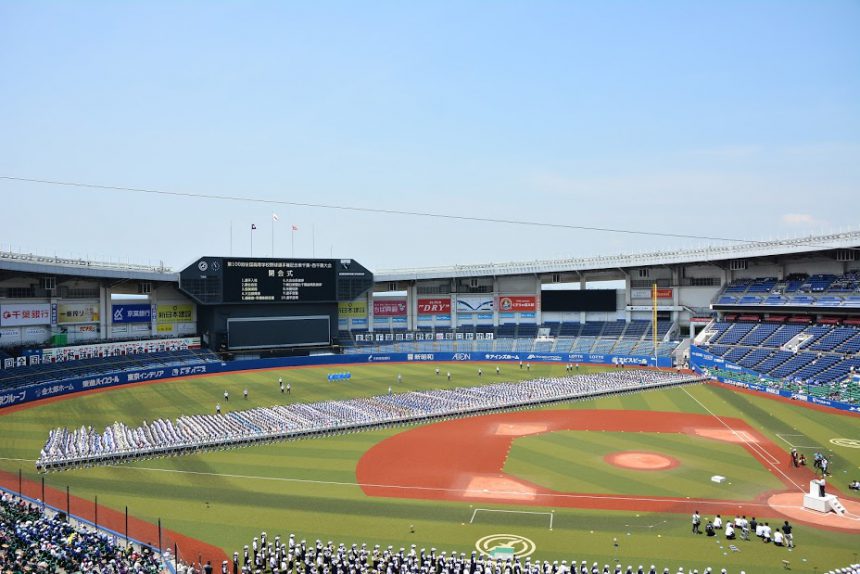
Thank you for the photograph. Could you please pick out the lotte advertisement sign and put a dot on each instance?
(517, 303)
(434, 306)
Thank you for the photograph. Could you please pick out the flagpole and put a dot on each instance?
(231, 238)
(273, 237)
(252, 240)
(314, 240)
(293, 241)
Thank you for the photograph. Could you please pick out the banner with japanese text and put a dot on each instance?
(69, 313)
(178, 313)
(352, 309)
(20, 314)
(389, 308)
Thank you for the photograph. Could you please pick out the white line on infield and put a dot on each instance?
(752, 445)
(501, 493)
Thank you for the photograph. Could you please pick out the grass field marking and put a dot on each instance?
(435, 488)
(18, 459)
(791, 444)
(765, 455)
(475, 513)
(746, 438)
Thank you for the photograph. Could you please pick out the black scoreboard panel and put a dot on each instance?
(278, 332)
(237, 280)
(578, 300)
(278, 281)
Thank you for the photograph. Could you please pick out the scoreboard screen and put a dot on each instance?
(278, 281)
(246, 280)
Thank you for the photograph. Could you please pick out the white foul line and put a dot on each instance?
(501, 493)
(752, 445)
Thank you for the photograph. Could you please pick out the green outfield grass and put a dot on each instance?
(308, 487)
(573, 461)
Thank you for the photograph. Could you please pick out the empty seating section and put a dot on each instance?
(735, 354)
(821, 356)
(791, 366)
(832, 339)
(735, 333)
(592, 337)
(754, 357)
(759, 333)
(814, 332)
(635, 329)
(821, 290)
(783, 335)
(592, 329)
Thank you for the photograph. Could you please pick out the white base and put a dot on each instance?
(819, 503)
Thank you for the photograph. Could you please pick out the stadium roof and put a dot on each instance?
(776, 247)
(29, 263)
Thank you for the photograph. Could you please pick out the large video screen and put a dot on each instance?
(578, 300)
(279, 281)
(274, 332)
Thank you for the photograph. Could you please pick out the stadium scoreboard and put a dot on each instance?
(278, 281)
(237, 280)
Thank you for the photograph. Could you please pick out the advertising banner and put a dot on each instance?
(517, 303)
(474, 303)
(10, 336)
(352, 309)
(35, 334)
(70, 313)
(116, 349)
(20, 314)
(131, 313)
(389, 308)
(664, 293)
(179, 313)
(435, 306)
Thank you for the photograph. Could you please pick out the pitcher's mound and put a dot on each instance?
(790, 504)
(639, 460)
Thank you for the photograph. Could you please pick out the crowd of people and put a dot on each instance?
(741, 528)
(67, 448)
(32, 541)
(289, 556)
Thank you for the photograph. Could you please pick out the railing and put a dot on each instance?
(33, 258)
(119, 539)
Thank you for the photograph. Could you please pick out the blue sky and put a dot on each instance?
(737, 119)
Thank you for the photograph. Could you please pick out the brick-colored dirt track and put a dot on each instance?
(446, 460)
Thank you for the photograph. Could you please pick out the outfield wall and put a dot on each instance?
(727, 372)
(59, 388)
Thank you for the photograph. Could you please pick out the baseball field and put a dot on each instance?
(609, 479)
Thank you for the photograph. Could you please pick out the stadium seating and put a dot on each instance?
(593, 337)
(820, 356)
(796, 290)
(33, 541)
(51, 372)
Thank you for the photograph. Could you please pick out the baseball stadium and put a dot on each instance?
(449, 287)
(258, 413)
